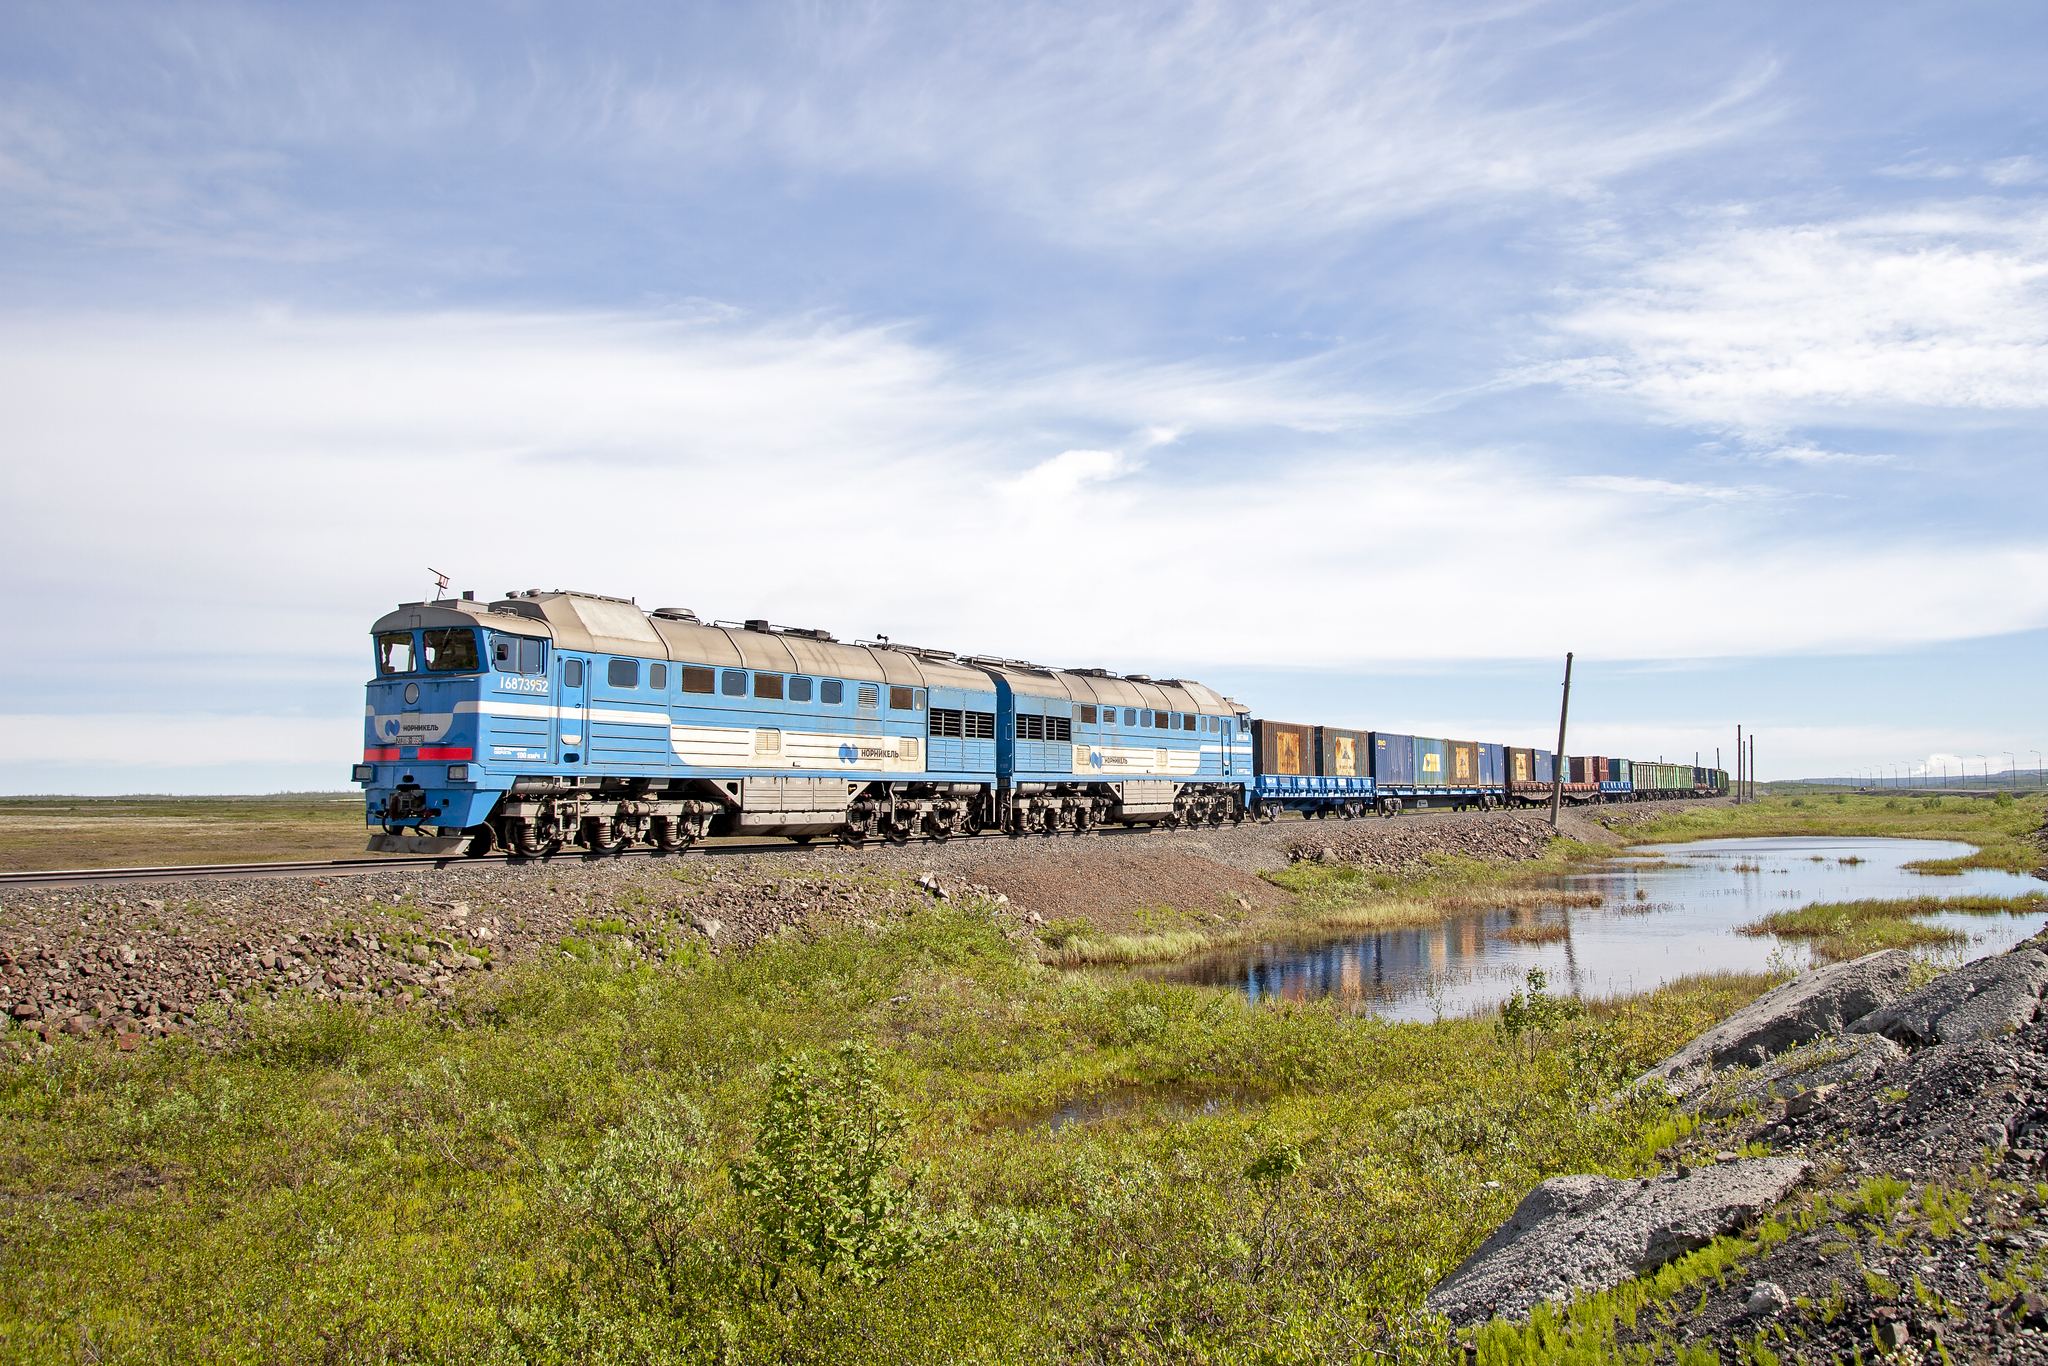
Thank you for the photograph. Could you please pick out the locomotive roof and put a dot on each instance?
(616, 626)
(1099, 687)
(458, 612)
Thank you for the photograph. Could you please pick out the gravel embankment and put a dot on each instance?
(143, 959)
(1964, 1127)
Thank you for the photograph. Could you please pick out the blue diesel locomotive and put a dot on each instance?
(553, 719)
(557, 719)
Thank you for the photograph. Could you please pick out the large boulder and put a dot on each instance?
(1981, 1000)
(1810, 1006)
(1576, 1235)
(1841, 1060)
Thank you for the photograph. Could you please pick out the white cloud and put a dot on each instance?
(1768, 327)
(1666, 488)
(1068, 471)
(1214, 123)
(255, 491)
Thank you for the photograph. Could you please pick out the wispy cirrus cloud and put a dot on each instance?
(1215, 124)
(1769, 327)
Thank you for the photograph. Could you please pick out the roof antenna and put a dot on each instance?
(440, 581)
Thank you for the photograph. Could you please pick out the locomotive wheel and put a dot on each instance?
(599, 837)
(668, 836)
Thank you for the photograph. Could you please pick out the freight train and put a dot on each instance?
(553, 719)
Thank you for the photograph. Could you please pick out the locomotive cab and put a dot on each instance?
(430, 776)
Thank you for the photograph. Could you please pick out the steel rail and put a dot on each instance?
(70, 877)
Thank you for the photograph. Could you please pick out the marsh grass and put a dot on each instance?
(569, 1167)
(1849, 929)
(2007, 834)
(1339, 897)
(1540, 932)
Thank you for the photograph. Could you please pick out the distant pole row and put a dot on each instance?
(1922, 775)
(1745, 767)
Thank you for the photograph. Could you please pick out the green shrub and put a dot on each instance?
(823, 1176)
(1538, 1010)
(1797, 801)
(2002, 799)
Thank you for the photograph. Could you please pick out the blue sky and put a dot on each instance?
(1360, 359)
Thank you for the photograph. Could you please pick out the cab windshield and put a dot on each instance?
(395, 653)
(452, 650)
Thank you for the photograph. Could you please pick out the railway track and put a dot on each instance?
(347, 867)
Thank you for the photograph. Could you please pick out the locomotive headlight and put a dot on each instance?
(364, 773)
(458, 773)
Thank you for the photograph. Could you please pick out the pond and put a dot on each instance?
(1667, 911)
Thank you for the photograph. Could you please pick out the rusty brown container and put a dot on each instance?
(1464, 763)
(1341, 753)
(1521, 765)
(1281, 748)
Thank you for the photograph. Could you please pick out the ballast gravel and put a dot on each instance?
(141, 959)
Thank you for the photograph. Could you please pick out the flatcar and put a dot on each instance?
(547, 720)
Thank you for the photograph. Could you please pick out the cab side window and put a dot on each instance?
(657, 677)
(395, 653)
(831, 692)
(572, 673)
(623, 673)
(515, 655)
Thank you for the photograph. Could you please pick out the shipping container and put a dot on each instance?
(1393, 759)
(1432, 762)
(1492, 759)
(1580, 771)
(1544, 768)
(1619, 768)
(1278, 747)
(1464, 763)
(1521, 765)
(1341, 753)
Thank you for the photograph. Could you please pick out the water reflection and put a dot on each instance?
(1667, 911)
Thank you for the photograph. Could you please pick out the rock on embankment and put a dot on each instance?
(1847, 1074)
(1812, 1005)
(1576, 1234)
(1409, 844)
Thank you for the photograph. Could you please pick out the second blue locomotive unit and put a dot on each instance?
(556, 719)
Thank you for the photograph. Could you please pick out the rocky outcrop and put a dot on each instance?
(1811, 1006)
(1579, 1234)
(1837, 1061)
(1981, 1000)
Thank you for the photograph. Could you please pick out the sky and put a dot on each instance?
(1359, 360)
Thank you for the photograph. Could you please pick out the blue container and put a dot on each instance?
(1544, 771)
(1393, 759)
(1492, 765)
(1432, 762)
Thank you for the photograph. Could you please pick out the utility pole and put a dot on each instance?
(1752, 766)
(1738, 765)
(1558, 761)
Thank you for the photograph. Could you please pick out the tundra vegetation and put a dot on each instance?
(852, 1144)
(837, 1147)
